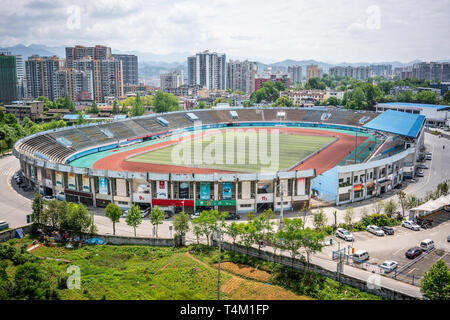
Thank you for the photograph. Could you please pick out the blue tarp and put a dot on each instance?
(397, 122)
(19, 233)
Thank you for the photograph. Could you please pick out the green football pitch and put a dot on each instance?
(238, 151)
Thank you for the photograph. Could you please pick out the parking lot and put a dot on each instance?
(393, 247)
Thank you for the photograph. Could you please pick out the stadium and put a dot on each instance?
(231, 159)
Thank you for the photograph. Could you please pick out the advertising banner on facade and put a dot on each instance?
(103, 185)
(169, 202)
(210, 203)
(358, 187)
(33, 177)
(226, 191)
(264, 198)
(301, 183)
(183, 190)
(59, 179)
(71, 181)
(141, 197)
(161, 189)
(86, 186)
(204, 191)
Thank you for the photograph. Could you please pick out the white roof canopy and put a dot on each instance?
(433, 205)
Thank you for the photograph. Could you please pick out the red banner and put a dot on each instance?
(169, 202)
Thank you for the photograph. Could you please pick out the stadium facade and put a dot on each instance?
(46, 160)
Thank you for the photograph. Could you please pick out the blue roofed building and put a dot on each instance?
(435, 115)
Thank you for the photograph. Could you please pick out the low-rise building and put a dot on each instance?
(31, 109)
(304, 97)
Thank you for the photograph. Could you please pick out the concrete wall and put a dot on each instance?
(11, 234)
(118, 240)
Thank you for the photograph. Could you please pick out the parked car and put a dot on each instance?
(427, 244)
(195, 215)
(388, 230)
(422, 166)
(344, 234)
(375, 230)
(428, 157)
(28, 188)
(360, 256)
(389, 265)
(4, 225)
(410, 225)
(146, 212)
(448, 238)
(424, 223)
(413, 252)
(168, 214)
(48, 198)
(233, 216)
(420, 174)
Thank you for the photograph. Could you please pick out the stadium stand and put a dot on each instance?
(177, 120)
(250, 115)
(221, 116)
(150, 124)
(96, 135)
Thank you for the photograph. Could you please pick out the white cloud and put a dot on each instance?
(327, 30)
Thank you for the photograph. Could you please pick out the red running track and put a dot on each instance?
(321, 161)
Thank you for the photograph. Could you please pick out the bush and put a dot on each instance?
(7, 252)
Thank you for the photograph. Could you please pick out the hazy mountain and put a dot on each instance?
(41, 50)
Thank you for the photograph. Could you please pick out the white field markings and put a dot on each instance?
(412, 270)
(398, 251)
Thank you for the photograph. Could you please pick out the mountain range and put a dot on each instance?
(151, 65)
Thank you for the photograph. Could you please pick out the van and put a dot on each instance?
(360, 256)
(3, 225)
(427, 244)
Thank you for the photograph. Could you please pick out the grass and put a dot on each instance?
(144, 273)
(283, 152)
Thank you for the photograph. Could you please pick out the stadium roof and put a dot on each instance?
(417, 105)
(75, 116)
(397, 122)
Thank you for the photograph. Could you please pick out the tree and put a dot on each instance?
(333, 101)
(137, 109)
(377, 206)
(320, 219)
(37, 207)
(165, 102)
(233, 230)
(115, 109)
(283, 102)
(181, 224)
(207, 223)
(78, 219)
(357, 99)
(446, 98)
(348, 217)
(390, 207)
(31, 284)
(202, 104)
(134, 217)
(290, 237)
(52, 211)
(68, 104)
(402, 199)
(156, 218)
(94, 108)
(435, 284)
(113, 212)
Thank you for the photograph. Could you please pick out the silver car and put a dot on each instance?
(375, 230)
(410, 225)
(389, 265)
(344, 234)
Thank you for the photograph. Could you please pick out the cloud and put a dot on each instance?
(339, 30)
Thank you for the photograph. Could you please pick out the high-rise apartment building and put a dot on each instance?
(384, 70)
(8, 78)
(20, 70)
(425, 71)
(295, 72)
(241, 76)
(129, 68)
(312, 71)
(40, 74)
(207, 69)
(79, 52)
(360, 73)
(171, 80)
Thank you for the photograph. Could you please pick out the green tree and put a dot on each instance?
(233, 230)
(68, 104)
(402, 199)
(78, 219)
(446, 97)
(30, 283)
(156, 218)
(390, 207)
(202, 104)
(134, 217)
(37, 209)
(333, 101)
(52, 211)
(290, 237)
(115, 109)
(283, 102)
(165, 102)
(377, 206)
(320, 219)
(113, 212)
(138, 109)
(435, 284)
(357, 99)
(181, 225)
(94, 108)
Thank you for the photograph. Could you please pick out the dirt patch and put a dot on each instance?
(252, 290)
(245, 271)
(231, 285)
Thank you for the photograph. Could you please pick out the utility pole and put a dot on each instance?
(218, 268)
(280, 189)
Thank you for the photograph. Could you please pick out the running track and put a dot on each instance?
(322, 161)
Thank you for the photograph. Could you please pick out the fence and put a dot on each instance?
(300, 265)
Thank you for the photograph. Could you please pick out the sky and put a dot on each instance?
(329, 31)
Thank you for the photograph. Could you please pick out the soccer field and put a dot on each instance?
(238, 151)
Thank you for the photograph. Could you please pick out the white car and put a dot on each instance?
(410, 225)
(195, 215)
(344, 234)
(375, 230)
(389, 265)
(48, 198)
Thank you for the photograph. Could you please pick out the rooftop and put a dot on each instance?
(415, 105)
(397, 122)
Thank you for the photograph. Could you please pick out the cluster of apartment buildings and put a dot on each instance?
(425, 71)
(86, 74)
